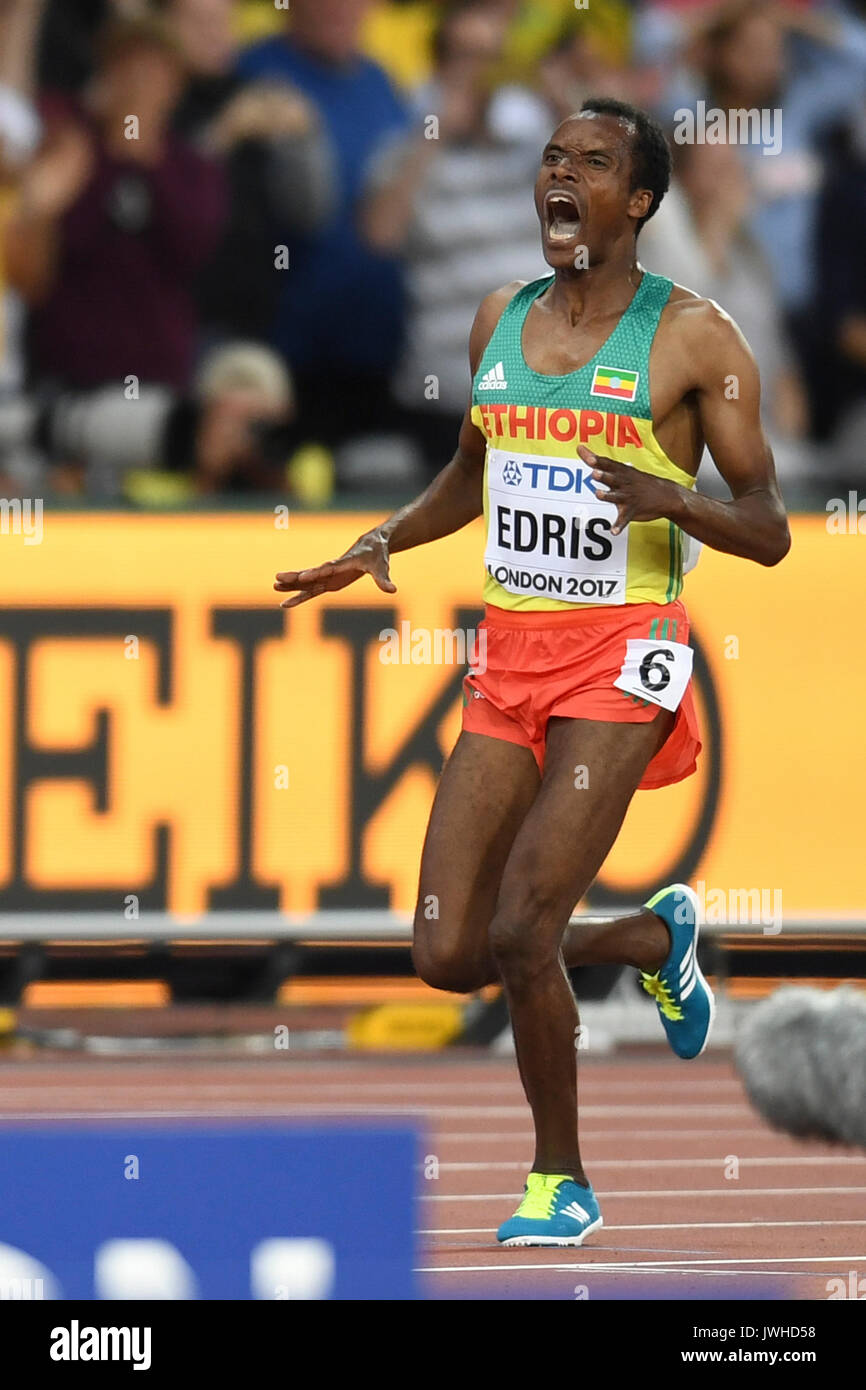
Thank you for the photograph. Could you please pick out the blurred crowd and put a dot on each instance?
(242, 241)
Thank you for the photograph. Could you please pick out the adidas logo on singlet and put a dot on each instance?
(494, 380)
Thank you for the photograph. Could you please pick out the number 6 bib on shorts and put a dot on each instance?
(656, 671)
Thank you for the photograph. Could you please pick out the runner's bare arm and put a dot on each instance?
(752, 523)
(453, 499)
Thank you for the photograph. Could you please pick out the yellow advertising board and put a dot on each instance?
(170, 733)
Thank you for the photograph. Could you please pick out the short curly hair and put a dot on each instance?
(650, 151)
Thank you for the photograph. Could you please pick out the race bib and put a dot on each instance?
(549, 532)
(656, 671)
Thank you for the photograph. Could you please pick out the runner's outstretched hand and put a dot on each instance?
(369, 555)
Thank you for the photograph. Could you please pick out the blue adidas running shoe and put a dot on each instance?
(555, 1210)
(682, 995)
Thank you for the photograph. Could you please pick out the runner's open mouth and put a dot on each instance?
(563, 216)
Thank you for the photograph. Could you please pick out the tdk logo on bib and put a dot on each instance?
(548, 477)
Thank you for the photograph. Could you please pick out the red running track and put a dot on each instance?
(699, 1197)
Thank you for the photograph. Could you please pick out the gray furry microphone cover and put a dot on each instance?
(802, 1058)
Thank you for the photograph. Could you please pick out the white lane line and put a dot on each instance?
(635, 1267)
(521, 1134)
(272, 1073)
(289, 1107)
(272, 1078)
(750, 1274)
(524, 1132)
(744, 1274)
(733, 1191)
(667, 1226)
(733, 1260)
(765, 1161)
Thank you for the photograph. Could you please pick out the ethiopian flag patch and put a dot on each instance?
(611, 381)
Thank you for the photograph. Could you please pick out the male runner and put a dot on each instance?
(594, 392)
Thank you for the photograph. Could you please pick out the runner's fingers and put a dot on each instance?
(380, 571)
(608, 466)
(611, 480)
(625, 512)
(614, 492)
(304, 596)
(301, 579)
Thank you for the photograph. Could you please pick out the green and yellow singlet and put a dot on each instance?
(548, 531)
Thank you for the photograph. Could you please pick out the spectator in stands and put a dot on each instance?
(752, 55)
(840, 295)
(399, 34)
(242, 407)
(279, 163)
(691, 241)
(19, 121)
(456, 198)
(580, 68)
(232, 431)
(20, 132)
(116, 216)
(340, 317)
(67, 42)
